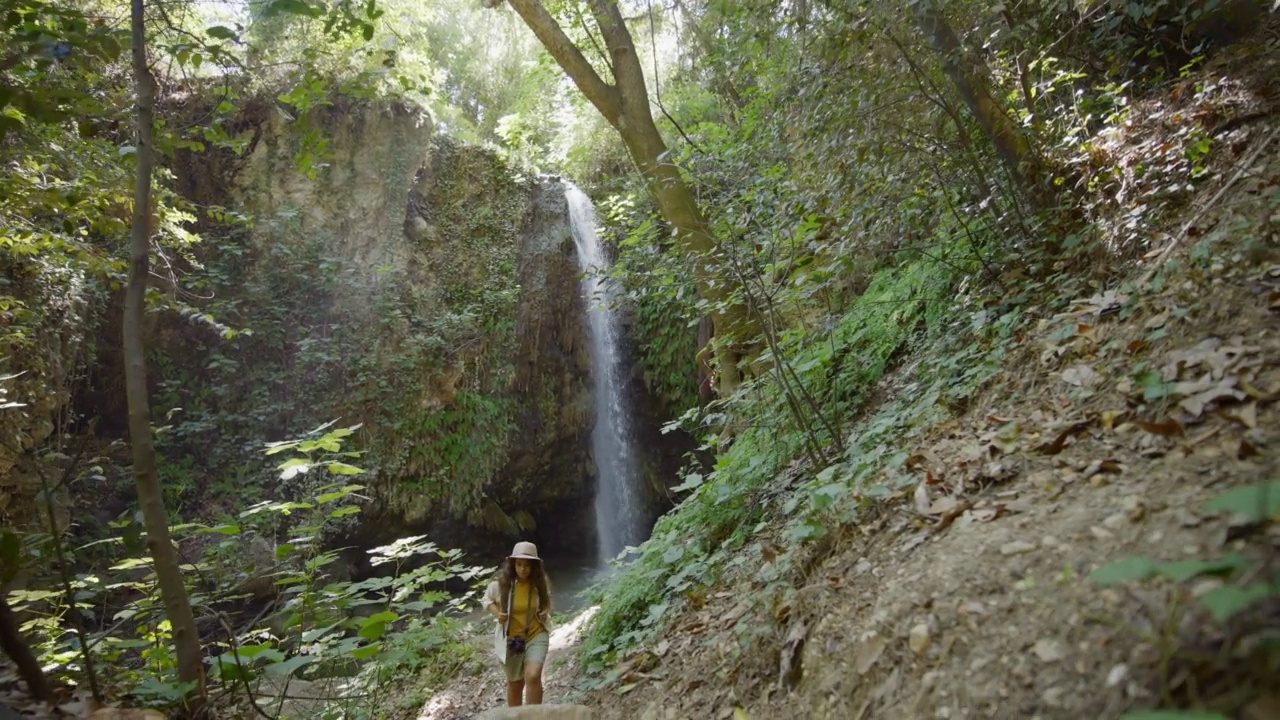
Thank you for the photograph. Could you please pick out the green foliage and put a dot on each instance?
(374, 630)
(750, 486)
(659, 289)
(1254, 504)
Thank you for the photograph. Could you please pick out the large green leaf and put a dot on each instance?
(1255, 503)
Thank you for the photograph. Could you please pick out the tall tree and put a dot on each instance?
(19, 652)
(970, 81)
(173, 592)
(625, 105)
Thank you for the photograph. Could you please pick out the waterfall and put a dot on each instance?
(619, 507)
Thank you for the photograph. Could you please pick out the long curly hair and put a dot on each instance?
(507, 576)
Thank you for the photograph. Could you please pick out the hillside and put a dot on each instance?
(989, 560)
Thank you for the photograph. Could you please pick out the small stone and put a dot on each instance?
(1050, 541)
(1017, 547)
(1204, 585)
(1101, 533)
(862, 568)
(869, 651)
(929, 679)
(1188, 519)
(918, 639)
(1118, 674)
(1115, 521)
(1048, 650)
(1053, 696)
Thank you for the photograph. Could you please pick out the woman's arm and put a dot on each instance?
(491, 602)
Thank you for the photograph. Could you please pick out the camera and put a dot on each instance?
(516, 645)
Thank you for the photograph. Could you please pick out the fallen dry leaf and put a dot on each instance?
(1246, 415)
(1225, 389)
(922, 501)
(1081, 376)
(1210, 353)
(942, 506)
(789, 669)
(1169, 428)
(987, 514)
(769, 553)
(949, 516)
(1060, 442)
(1109, 418)
(1254, 392)
(733, 615)
(1098, 467)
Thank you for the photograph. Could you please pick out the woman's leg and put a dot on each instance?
(515, 679)
(535, 657)
(515, 691)
(533, 682)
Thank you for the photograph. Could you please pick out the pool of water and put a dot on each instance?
(570, 580)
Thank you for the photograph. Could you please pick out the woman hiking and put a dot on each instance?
(520, 599)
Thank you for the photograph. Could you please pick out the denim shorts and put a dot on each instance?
(535, 651)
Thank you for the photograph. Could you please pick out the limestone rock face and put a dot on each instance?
(414, 286)
(38, 369)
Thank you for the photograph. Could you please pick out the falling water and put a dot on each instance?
(619, 508)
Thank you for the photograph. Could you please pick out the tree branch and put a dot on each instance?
(601, 94)
(626, 63)
(657, 82)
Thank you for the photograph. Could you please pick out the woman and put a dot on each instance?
(520, 600)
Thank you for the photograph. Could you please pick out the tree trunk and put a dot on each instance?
(168, 571)
(20, 653)
(971, 83)
(626, 106)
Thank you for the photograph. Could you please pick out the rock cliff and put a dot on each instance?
(415, 286)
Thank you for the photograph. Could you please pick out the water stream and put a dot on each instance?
(619, 506)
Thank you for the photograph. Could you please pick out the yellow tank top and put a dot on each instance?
(524, 604)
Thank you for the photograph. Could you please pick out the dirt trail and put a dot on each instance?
(471, 695)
